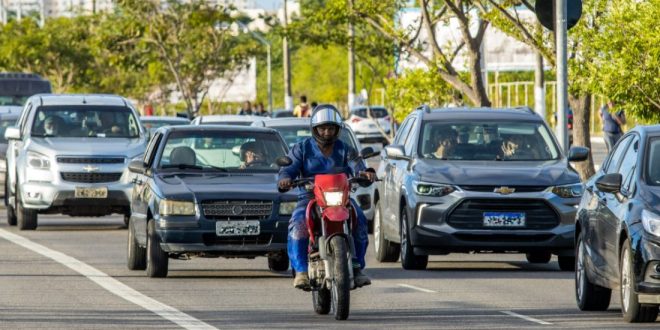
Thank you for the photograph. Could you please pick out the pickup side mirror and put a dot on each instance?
(136, 166)
(12, 133)
(609, 183)
(578, 154)
(395, 152)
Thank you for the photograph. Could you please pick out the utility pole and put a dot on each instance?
(539, 82)
(288, 98)
(351, 57)
(562, 72)
(42, 16)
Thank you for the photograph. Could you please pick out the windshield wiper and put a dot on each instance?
(220, 169)
(183, 166)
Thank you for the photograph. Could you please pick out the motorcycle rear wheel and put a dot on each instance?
(341, 285)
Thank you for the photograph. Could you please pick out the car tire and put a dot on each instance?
(632, 310)
(136, 255)
(589, 296)
(11, 212)
(279, 263)
(157, 259)
(542, 257)
(127, 219)
(26, 219)
(409, 260)
(566, 263)
(386, 251)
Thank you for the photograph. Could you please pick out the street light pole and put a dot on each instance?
(288, 98)
(562, 72)
(270, 83)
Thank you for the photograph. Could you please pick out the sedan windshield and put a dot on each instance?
(85, 121)
(507, 141)
(295, 134)
(223, 151)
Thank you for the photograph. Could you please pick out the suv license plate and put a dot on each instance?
(237, 228)
(82, 192)
(504, 219)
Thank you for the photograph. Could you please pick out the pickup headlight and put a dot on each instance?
(569, 191)
(432, 189)
(286, 208)
(37, 161)
(170, 207)
(333, 198)
(651, 222)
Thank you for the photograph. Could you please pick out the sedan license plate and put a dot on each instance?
(82, 192)
(237, 228)
(504, 219)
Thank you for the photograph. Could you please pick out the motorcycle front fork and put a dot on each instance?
(323, 277)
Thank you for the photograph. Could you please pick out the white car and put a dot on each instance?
(370, 129)
(237, 120)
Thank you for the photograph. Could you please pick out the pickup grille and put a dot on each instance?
(90, 160)
(237, 210)
(84, 177)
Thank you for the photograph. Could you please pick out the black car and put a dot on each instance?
(618, 229)
(197, 193)
(476, 180)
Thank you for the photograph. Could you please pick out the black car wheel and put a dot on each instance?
(11, 212)
(279, 263)
(386, 251)
(589, 296)
(157, 259)
(632, 310)
(409, 260)
(538, 257)
(136, 255)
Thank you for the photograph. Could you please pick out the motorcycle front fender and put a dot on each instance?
(336, 214)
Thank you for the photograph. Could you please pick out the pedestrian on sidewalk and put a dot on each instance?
(612, 122)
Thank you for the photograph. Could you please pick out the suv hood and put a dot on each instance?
(88, 146)
(218, 185)
(511, 173)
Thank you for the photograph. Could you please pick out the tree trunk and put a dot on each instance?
(581, 105)
(477, 81)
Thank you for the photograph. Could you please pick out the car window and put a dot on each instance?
(23, 119)
(375, 112)
(295, 134)
(151, 148)
(410, 140)
(653, 162)
(85, 121)
(629, 162)
(615, 157)
(402, 134)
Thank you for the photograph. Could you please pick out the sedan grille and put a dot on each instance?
(237, 210)
(90, 160)
(85, 177)
(469, 214)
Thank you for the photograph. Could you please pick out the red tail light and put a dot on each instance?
(388, 118)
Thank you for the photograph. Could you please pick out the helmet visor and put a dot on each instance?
(326, 116)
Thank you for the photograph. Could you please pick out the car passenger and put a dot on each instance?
(52, 125)
(108, 125)
(446, 144)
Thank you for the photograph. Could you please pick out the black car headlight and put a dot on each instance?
(432, 189)
(569, 191)
(287, 208)
(651, 222)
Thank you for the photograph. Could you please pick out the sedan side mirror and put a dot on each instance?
(136, 166)
(395, 152)
(12, 133)
(609, 183)
(578, 154)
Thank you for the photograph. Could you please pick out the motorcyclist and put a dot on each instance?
(320, 154)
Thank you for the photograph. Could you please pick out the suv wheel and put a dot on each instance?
(136, 255)
(542, 257)
(632, 310)
(26, 218)
(11, 212)
(157, 259)
(409, 260)
(589, 296)
(386, 251)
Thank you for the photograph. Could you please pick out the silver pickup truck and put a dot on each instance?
(69, 154)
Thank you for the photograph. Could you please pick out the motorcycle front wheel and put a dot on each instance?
(341, 286)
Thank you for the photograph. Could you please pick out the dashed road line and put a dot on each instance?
(416, 288)
(527, 318)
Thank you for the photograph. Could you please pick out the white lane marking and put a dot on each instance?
(112, 285)
(531, 319)
(416, 288)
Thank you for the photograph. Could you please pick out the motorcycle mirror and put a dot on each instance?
(283, 161)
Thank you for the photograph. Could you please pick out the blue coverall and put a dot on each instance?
(308, 160)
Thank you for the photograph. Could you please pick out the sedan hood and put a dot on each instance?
(217, 185)
(521, 173)
(88, 146)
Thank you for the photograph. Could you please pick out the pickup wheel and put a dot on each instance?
(11, 212)
(157, 259)
(26, 218)
(136, 255)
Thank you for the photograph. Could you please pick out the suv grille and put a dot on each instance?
(469, 214)
(519, 189)
(90, 160)
(90, 177)
(237, 210)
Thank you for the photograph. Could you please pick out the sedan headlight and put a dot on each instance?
(286, 208)
(37, 161)
(569, 191)
(432, 189)
(170, 207)
(333, 198)
(651, 222)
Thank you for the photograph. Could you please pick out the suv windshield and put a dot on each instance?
(295, 134)
(222, 151)
(85, 121)
(513, 141)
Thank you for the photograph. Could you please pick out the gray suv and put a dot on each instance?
(69, 154)
(476, 180)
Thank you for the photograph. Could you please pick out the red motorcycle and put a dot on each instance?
(330, 221)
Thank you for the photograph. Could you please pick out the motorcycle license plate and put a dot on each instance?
(504, 219)
(237, 228)
(83, 192)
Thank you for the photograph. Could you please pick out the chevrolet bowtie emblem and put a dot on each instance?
(504, 190)
(90, 168)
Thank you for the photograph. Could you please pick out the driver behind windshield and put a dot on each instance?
(252, 154)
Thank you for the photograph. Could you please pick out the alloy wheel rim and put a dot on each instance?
(404, 235)
(580, 272)
(377, 230)
(625, 281)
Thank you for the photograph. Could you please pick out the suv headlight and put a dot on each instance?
(569, 191)
(432, 189)
(286, 208)
(651, 222)
(333, 198)
(170, 207)
(37, 161)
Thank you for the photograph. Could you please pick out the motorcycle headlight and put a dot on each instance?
(333, 198)
(170, 207)
(37, 161)
(432, 189)
(286, 208)
(651, 222)
(569, 191)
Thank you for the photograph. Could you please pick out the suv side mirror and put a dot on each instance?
(578, 154)
(395, 152)
(609, 183)
(136, 166)
(12, 133)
